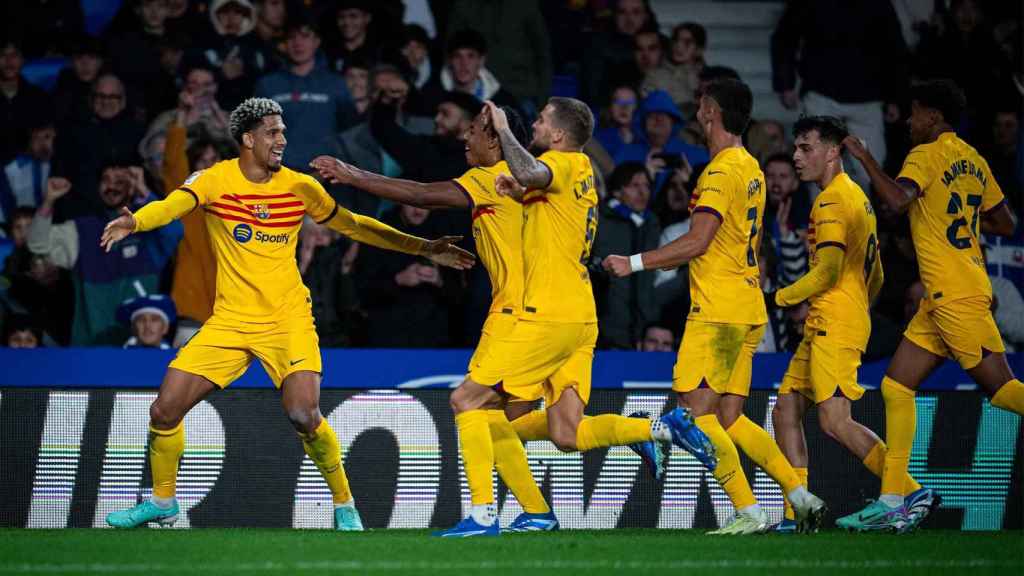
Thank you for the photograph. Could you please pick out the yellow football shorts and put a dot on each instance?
(533, 360)
(221, 352)
(959, 329)
(717, 355)
(821, 366)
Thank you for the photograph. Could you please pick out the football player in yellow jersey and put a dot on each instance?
(549, 352)
(845, 276)
(487, 438)
(952, 198)
(727, 318)
(253, 210)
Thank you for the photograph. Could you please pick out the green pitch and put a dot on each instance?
(655, 552)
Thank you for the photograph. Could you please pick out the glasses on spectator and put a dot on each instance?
(110, 96)
(624, 102)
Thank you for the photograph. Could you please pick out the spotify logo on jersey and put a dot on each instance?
(242, 233)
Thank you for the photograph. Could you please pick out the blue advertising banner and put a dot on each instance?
(406, 369)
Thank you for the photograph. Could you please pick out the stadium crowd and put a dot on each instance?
(391, 87)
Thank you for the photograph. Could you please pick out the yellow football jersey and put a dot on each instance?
(725, 283)
(956, 187)
(254, 229)
(558, 233)
(842, 216)
(498, 233)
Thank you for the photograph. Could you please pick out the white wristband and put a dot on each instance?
(636, 263)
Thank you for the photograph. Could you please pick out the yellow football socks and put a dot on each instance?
(532, 426)
(477, 454)
(1010, 397)
(611, 430)
(165, 450)
(900, 424)
(729, 473)
(875, 462)
(513, 467)
(762, 449)
(788, 514)
(324, 450)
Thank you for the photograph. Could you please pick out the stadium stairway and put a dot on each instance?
(739, 36)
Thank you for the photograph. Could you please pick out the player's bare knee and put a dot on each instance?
(304, 419)
(162, 416)
(565, 441)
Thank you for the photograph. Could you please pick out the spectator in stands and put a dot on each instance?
(24, 179)
(187, 19)
(20, 102)
(679, 74)
(618, 125)
(661, 151)
(72, 94)
(648, 51)
(20, 331)
(415, 49)
(657, 338)
(352, 36)
(672, 204)
(136, 57)
(108, 135)
(406, 297)
(519, 48)
(1007, 305)
(46, 293)
(465, 71)
(271, 19)
(963, 49)
(766, 138)
(17, 254)
(233, 50)
(853, 62)
(787, 213)
(427, 158)
(195, 270)
(149, 318)
(1003, 155)
(315, 101)
(102, 279)
(608, 57)
(326, 260)
(197, 111)
(625, 306)
(47, 28)
(358, 147)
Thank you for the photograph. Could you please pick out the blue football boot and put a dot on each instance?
(686, 435)
(527, 522)
(143, 513)
(468, 528)
(650, 452)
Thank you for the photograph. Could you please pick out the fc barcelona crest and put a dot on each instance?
(261, 211)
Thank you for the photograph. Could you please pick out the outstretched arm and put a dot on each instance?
(149, 217)
(429, 195)
(529, 171)
(694, 243)
(897, 194)
(375, 233)
(823, 276)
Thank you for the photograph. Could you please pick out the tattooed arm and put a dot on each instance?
(526, 169)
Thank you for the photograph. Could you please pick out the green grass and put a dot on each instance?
(590, 552)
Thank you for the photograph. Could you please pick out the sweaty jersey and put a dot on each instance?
(956, 186)
(498, 233)
(558, 233)
(725, 283)
(254, 229)
(842, 216)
